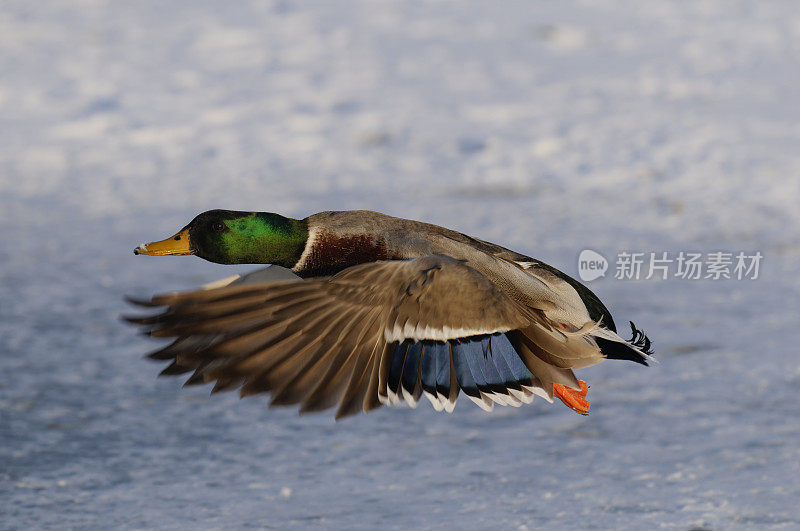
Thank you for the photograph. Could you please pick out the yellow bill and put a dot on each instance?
(174, 245)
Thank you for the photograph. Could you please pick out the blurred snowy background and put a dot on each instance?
(544, 126)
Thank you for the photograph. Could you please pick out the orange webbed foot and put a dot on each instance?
(575, 400)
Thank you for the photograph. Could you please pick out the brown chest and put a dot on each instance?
(328, 253)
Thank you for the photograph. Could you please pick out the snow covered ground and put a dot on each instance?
(548, 127)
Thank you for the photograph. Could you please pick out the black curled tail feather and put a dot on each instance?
(640, 341)
(638, 348)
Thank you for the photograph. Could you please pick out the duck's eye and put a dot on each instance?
(218, 226)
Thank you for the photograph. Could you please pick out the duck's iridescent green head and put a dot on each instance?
(230, 237)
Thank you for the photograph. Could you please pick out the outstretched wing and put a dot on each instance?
(326, 341)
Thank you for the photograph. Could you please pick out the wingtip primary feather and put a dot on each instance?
(140, 302)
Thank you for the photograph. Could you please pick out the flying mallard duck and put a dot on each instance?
(362, 309)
